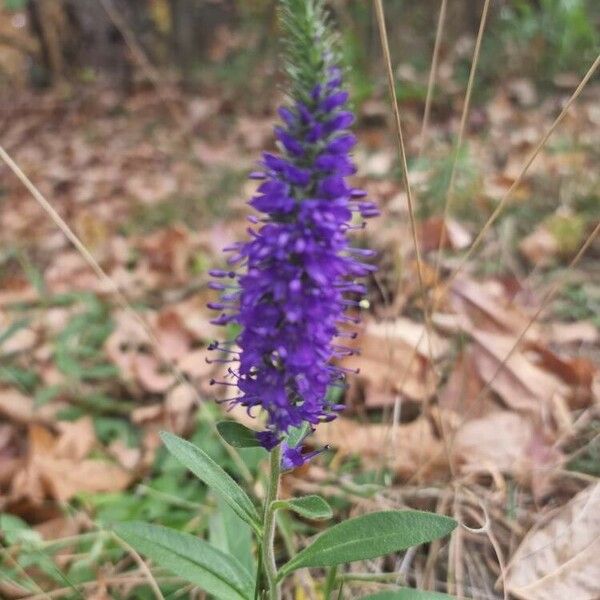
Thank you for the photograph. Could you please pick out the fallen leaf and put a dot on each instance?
(173, 338)
(388, 364)
(455, 236)
(19, 408)
(408, 448)
(55, 467)
(560, 557)
(505, 442)
(487, 306)
(518, 381)
(128, 457)
(571, 333)
(577, 372)
(461, 392)
(540, 247)
(168, 251)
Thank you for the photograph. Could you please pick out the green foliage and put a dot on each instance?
(587, 452)
(369, 536)
(311, 507)
(208, 471)
(238, 436)
(193, 559)
(78, 347)
(555, 35)
(579, 302)
(14, 5)
(466, 184)
(231, 535)
(297, 434)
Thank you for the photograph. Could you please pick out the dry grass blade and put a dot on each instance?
(461, 134)
(120, 297)
(380, 15)
(432, 74)
(142, 565)
(10, 560)
(477, 241)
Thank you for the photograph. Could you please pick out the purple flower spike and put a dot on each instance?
(297, 271)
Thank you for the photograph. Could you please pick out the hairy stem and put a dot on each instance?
(268, 554)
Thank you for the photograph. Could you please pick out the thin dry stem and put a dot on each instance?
(380, 15)
(432, 74)
(461, 134)
(142, 565)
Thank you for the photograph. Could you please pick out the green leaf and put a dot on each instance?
(297, 434)
(311, 507)
(191, 558)
(408, 594)
(369, 536)
(232, 535)
(236, 435)
(208, 471)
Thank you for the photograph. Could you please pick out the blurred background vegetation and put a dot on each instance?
(207, 41)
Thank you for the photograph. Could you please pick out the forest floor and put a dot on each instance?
(479, 399)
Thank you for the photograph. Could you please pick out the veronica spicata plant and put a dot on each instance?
(288, 289)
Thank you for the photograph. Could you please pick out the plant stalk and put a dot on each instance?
(268, 551)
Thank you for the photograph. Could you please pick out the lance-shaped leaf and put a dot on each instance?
(311, 507)
(193, 559)
(237, 435)
(369, 536)
(207, 470)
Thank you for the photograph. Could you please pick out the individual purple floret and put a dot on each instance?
(297, 272)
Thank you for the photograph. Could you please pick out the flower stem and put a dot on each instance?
(268, 554)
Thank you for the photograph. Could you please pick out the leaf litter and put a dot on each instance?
(145, 207)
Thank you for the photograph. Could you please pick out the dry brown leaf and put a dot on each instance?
(408, 448)
(172, 336)
(168, 251)
(520, 383)
(411, 334)
(432, 229)
(15, 406)
(55, 467)
(21, 409)
(388, 364)
(577, 372)
(461, 392)
(76, 439)
(572, 333)
(179, 404)
(150, 188)
(152, 376)
(540, 247)
(505, 442)
(128, 457)
(487, 306)
(560, 558)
